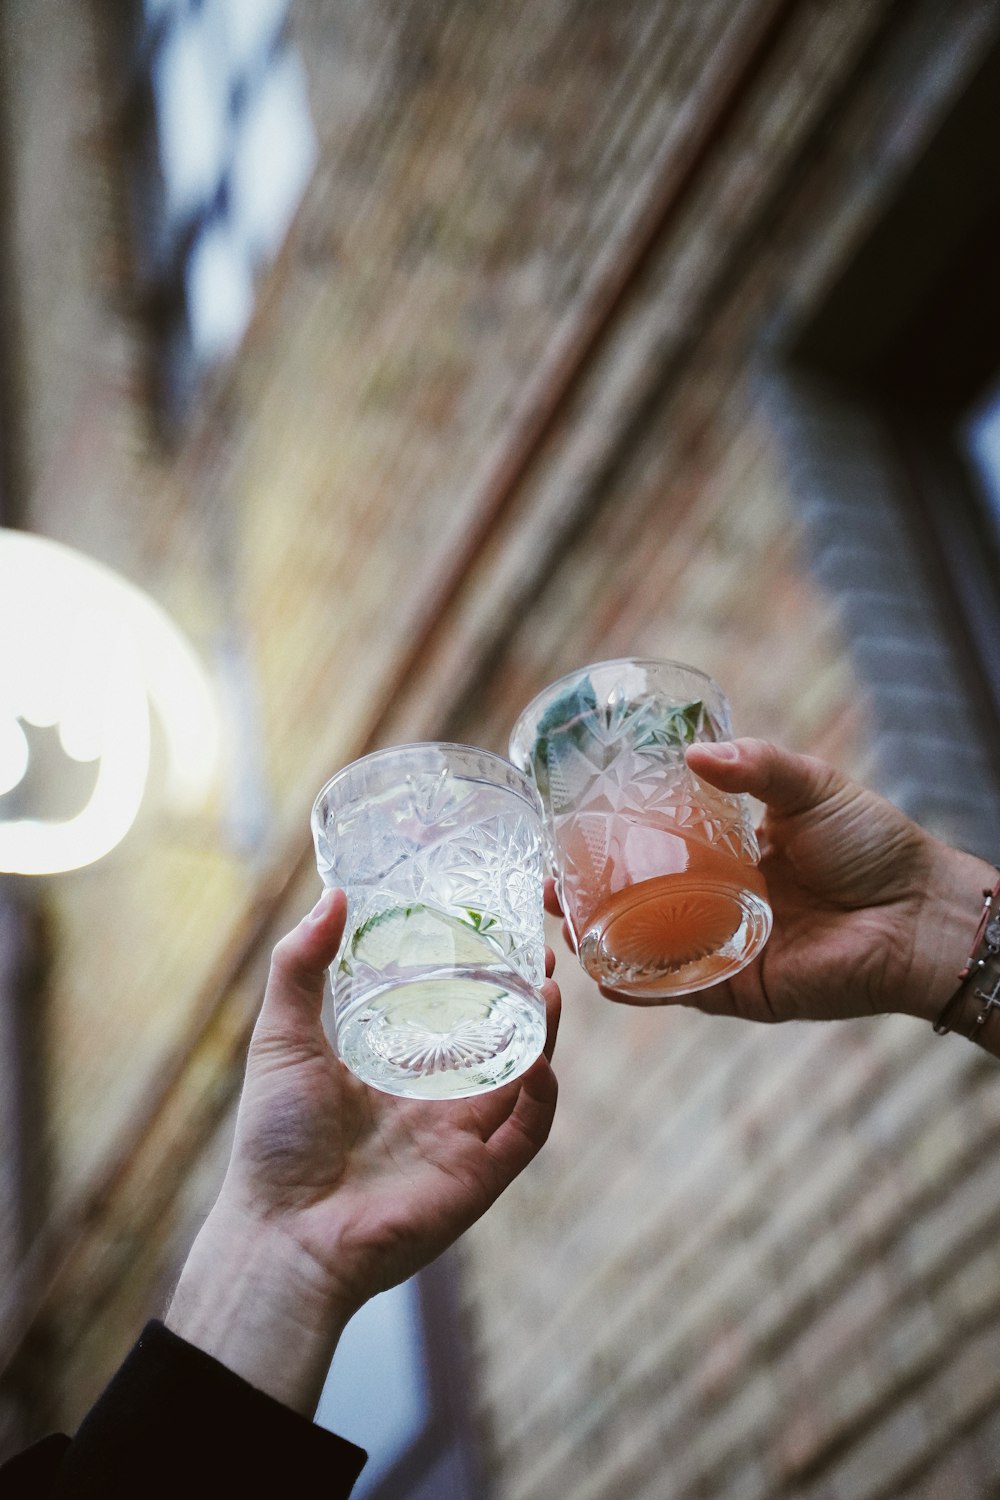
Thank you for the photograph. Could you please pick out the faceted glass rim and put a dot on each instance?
(533, 709)
(508, 777)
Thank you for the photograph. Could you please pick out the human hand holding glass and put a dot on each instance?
(871, 913)
(336, 1191)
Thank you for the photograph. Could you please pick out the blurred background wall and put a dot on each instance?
(563, 331)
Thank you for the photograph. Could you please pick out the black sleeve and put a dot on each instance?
(32, 1474)
(174, 1421)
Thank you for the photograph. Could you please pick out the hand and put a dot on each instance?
(871, 914)
(336, 1191)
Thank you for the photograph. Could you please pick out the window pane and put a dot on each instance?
(980, 435)
(192, 114)
(273, 160)
(219, 293)
(251, 27)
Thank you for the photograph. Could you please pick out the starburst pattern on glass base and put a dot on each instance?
(418, 1049)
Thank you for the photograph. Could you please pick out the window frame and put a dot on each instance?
(867, 393)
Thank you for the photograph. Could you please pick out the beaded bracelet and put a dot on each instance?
(980, 979)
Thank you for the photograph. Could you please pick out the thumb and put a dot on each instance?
(785, 782)
(300, 961)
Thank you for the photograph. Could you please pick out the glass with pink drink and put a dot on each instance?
(656, 870)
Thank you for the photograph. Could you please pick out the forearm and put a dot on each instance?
(253, 1300)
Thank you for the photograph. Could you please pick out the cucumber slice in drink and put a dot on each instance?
(415, 936)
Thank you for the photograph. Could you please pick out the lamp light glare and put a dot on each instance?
(93, 655)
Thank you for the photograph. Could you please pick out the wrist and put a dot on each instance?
(945, 928)
(256, 1301)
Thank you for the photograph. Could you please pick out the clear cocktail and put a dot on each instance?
(656, 870)
(435, 988)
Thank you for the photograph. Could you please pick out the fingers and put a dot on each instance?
(493, 1110)
(518, 1140)
(300, 961)
(553, 1010)
(550, 962)
(554, 909)
(787, 783)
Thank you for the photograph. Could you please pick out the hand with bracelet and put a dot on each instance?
(871, 913)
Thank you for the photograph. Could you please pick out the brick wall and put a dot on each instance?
(751, 1262)
(743, 1266)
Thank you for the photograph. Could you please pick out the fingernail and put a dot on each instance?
(722, 749)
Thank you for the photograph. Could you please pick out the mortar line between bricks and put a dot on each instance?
(709, 1227)
(911, 1383)
(779, 1340)
(901, 1487)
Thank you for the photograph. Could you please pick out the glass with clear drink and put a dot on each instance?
(656, 870)
(436, 986)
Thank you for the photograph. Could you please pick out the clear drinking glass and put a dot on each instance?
(436, 986)
(656, 870)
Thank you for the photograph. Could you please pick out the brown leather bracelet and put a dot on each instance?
(978, 993)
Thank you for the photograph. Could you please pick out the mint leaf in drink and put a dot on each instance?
(361, 934)
(478, 920)
(575, 719)
(564, 721)
(653, 725)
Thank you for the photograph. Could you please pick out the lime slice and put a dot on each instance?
(417, 937)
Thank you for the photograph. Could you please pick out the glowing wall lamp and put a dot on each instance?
(84, 651)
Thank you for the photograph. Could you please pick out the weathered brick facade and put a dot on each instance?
(751, 1262)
